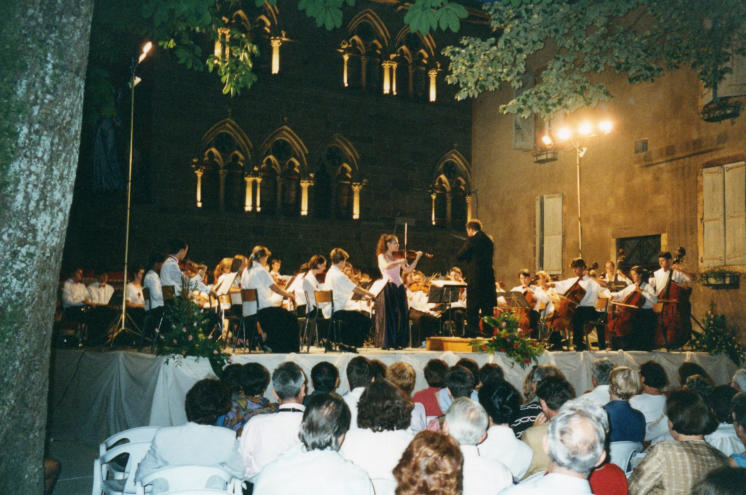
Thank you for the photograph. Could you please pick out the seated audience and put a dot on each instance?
(652, 403)
(316, 467)
(674, 466)
(472, 366)
(688, 369)
(384, 413)
(501, 401)
(738, 410)
(530, 409)
(253, 379)
(460, 382)
(232, 380)
(403, 376)
(552, 393)
(575, 444)
(435, 373)
(466, 421)
(324, 378)
(600, 371)
(377, 369)
(359, 376)
(721, 481)
(199, 442)
(724, 438)
(739, 380)
(266, 436)
(431, 465)
(625, 424)
(608, 479)
(490, 371)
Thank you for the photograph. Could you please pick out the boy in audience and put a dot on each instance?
(435, 372)
(460, 382)
(359, 376)
(324, 378)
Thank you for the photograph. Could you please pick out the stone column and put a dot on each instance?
(345, 60)
(258, 181)
(386, 77)
(356, 188)
(304, 185)
(363, 70)
(410, 83)
(393, 77)
(276, 42)
(432, 207)
(432, 74)
(221, 188)
(449, 197)
(468, 207)
(199, 172)
(247, 206)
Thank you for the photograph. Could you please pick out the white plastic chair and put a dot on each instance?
(109, 478)
(135, 435)
(189, 477)
(203, 491)
(621, 452)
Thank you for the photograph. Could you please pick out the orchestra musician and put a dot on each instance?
(154, 305)
(611, 276)
(392, 318)
(278, 326)
(355, 325)
(306, 283)
(134, 298)
(667, 270)
(538, 297)
(671, 285)
(425, 319)
(547, 293)
(170, 271)
(476, 253)
(75, 301)
(640, 336)
(585, 311)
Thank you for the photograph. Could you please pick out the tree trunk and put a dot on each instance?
(43, 58)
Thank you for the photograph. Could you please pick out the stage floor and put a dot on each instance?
(98, 392)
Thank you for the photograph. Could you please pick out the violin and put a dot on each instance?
(408, 254)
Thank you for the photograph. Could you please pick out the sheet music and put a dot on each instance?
(377, 287)
(226, 284)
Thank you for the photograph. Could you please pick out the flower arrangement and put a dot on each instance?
(186, 332)
(506, 339)
(717, 338)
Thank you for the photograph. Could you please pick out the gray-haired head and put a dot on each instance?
(577, 436)
(600, 369)
(467, 421)
(739, 380)
(288, 380)
(325, 420)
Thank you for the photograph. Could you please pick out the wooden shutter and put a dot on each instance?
(552, 227)
(713, 217)
(735, 213)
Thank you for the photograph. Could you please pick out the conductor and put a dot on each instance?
(476, 255)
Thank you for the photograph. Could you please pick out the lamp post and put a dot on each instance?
(134, 80)
(578, 139)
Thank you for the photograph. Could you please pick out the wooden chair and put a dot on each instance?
(327, 297)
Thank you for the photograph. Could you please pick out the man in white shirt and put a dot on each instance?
(154, 303)
(466, 421)
(600, 370)
(100, 290)
(674, 335)
(575, 443)
(652, 403)
(354, 325)
(585, 312)
(359, 376)
(170, 272)
(75, 301)
(266, 436)
(316, 467)
(660, 277)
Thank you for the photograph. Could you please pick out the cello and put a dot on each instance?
(564, 309)
(674, 326)
(622, 315)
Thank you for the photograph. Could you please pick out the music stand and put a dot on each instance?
(117, 328)
(516, 299)
(446, 293)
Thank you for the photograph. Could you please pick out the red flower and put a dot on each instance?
(526, 360)
(502, 349)
(494, 332)
(515, 346)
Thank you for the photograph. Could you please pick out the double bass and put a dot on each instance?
(674, 309)
(564, 308)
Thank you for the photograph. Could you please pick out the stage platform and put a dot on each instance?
(97, 392)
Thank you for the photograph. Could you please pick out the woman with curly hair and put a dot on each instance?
(383, 418)
(431, 465)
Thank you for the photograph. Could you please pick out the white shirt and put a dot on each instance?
(377, 452)
(551, 483)
(74, 293)
(266, 436)
(648, 292)
(418, 421)
(134, 294)
(171, 274)
(591, 289)
(259, 278)
(100, 294)
(653, 407)
(725, 440)
(225, 283)
(541, 297)
(341, 287)
(351, 398)
(152, 282)
(501, 445)
(660, 279)
(599, 395)
(315, 472)
(483, 476)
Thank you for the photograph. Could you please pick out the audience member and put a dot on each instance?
(674, 466)
(652, 403)
(739, 380)
(721, 481)
(501, 401)
(359, 376)
(377, 369)
(600, 370)
(625, 423)
(701, 385)
(431, 465)
(466, 421)
(575, 443)
(608, 479)
(435, 372)
(324, 378)
(231, 378)
(724, 438)
(738, 410)
(472, 366)
(530, 409)
(552, 393)
(490, 371)
(384, 413)
(266, 436)
(688, 369)
(316, 467)
(403, 376)
(198, 442)
(460, 382)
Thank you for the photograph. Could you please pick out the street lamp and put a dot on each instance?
(577, 137)
(134, 81)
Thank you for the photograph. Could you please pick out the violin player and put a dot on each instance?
(537, 297)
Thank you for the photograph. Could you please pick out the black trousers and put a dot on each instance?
(477, 306)
(424, 325)
(582, 316)
(642, 334)
(352, 326)
(281, 327)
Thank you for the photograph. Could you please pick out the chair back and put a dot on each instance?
(176, 478)
(602, 303)
(146, 296)
(169, 292)
(225, 299)
(108, 476)
(323, 296)
(133, 435)
(621, 452)
(248, 295)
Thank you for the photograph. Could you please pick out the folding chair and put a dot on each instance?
(247, 327)
(621, 452)
(326, 297)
